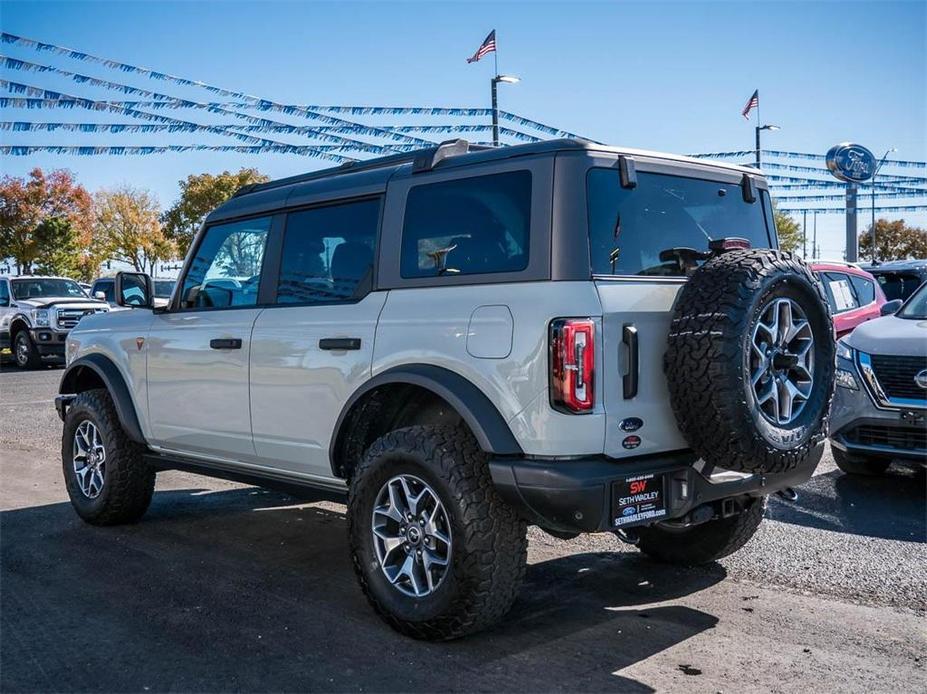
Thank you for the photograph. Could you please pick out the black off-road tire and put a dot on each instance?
(128, 482)
(23, 341)
(706, 362)
(704, 543)
(489, 555)
(856, 465)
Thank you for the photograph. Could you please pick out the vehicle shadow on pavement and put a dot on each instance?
(245, 589)
(889, 506)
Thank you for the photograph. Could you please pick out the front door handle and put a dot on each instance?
(225, 343)
(339, 343)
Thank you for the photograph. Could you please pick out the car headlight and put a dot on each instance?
(40, 317)
(844, 351)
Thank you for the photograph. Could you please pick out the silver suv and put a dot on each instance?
(880, 410)
(36, 314)
(461, 341)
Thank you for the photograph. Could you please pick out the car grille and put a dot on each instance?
(896, 375)
(69, 317)
(904, 438)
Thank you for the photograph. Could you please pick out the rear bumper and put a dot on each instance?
(574, 496)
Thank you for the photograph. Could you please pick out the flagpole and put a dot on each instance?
(758, 128)
(495, 100)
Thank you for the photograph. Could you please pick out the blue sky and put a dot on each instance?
(666, 76)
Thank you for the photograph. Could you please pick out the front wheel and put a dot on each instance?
(24, 351)
(703, 543)
(437, 552)
(854, 465)
(106, 477)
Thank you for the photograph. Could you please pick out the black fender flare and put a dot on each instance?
(480, 414)
(109, 373)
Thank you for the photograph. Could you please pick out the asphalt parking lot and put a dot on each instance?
(224, 587)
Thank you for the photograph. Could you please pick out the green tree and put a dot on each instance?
(894, 241)
(791, 237)
(27, 202)
(199, 195)
(58, 245)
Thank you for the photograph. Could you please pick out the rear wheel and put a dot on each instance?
(437, 552)
(107, 480)
(24, 351)
(859, 465)
(703, 543)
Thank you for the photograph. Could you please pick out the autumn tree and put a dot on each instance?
(59, 251)
(26, 203)
(128, 227)
(199, 195)
(791, 237)
(894, 241)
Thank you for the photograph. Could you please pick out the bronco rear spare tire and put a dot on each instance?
(750, 361)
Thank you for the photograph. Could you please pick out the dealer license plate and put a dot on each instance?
(638, 499)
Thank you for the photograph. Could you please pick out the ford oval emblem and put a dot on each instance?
(921, 379)
(631, 424)
(851, 162)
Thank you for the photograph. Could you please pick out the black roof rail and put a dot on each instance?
(421, 160)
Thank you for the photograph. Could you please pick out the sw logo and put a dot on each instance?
(638, 487)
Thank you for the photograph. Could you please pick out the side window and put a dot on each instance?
(328, 252)
(4, 293)
(108, 287)
(865, 290)
(467, 226)
(840, 292)
(226, 269)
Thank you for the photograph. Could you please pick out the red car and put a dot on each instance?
(853, 294)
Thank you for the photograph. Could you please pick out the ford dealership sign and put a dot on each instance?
(851, 162)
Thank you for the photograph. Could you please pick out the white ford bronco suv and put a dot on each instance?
(462, 341)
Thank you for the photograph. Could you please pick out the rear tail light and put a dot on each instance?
(572, 364)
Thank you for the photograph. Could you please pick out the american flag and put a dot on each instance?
(488, 46)
(752, 103)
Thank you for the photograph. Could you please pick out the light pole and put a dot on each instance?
(507, 79)
(872, 231)
(758, 128)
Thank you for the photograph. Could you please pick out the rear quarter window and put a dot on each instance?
(476, 225)
(634, 231)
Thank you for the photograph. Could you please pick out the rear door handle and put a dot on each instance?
(629, 380)
(225, 343)
(339, 343)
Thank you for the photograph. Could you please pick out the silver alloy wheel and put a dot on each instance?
(22, 349)
(781, 361)
(412, 535)
(89, 459)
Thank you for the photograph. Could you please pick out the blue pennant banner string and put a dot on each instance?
(258, 102)
(25, 150)
(841, 210)
(144, 115)
(827, 198)
(25, 126)
(824, 186)
(167, 99)
(825, 172)
(780, 154)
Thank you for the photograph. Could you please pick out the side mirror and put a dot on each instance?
(134, 289)
(890, 308)
(99, 296)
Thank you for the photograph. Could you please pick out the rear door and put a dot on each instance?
(641, 237)
(313, 346)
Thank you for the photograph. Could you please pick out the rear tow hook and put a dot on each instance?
(788, 494)
(629, 536)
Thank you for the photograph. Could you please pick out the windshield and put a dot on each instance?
(640, 230)
(916, 307)
(897, 285)
(163, 288)
(46, 288)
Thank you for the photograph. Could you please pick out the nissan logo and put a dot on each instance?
(921, 379)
